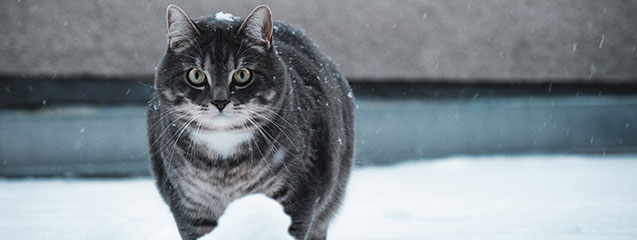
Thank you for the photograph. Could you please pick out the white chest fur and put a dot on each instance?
(223, 143)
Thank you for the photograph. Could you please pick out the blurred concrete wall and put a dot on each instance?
(111, 141)
(459, 40)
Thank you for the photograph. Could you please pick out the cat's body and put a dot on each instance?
(287, 134)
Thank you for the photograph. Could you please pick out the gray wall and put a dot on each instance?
(455, 40)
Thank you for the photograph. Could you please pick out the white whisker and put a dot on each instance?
(277, 126)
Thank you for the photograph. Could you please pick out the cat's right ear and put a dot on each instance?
(181, 30)
(258, 26)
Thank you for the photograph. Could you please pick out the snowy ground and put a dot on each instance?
(550, 197)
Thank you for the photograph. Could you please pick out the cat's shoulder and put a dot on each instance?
(281, 27)
(288, 32)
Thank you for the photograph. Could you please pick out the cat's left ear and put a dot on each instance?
(181, 30)
(258, 26)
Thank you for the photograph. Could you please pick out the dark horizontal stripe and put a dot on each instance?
(206, 222)
(280, 193)
(480, 89)
(272, 172)
(41, 91)
(185, 197)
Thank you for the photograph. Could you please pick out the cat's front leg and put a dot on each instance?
(192, 228)
(302, 213)
(300, 225)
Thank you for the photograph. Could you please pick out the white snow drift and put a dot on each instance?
(534, 197)
(256, 217)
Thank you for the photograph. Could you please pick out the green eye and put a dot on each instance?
(196, 77)
(242, 77)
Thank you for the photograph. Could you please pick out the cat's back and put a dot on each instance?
(291, 41)
(310, 67)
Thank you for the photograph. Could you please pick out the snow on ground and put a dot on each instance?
(535, 197)
(265, 220)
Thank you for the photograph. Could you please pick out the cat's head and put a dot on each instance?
(220, 72)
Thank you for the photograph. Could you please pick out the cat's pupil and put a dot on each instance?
(196, 75)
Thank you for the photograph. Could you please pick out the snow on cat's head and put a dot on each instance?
(225, 16)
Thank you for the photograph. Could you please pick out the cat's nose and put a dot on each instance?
(220, 104)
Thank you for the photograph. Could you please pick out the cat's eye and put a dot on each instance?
(196, 77)
(242, 77)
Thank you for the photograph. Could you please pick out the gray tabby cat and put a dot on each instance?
(245, 107)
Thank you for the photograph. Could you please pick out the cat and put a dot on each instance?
(246, 106)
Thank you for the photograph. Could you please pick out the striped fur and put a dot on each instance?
(288, 134)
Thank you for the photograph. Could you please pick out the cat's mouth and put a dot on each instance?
(223, 121)
(202, 119)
